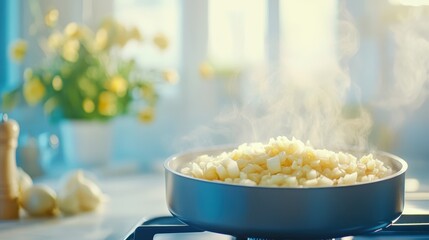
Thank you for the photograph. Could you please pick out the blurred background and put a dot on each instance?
(154, 76)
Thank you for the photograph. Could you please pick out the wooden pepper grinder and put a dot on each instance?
(9, 205)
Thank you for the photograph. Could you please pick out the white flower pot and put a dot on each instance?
(86, 143)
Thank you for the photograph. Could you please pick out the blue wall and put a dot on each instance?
(9, 31)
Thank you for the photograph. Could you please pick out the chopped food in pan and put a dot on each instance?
(286, 163)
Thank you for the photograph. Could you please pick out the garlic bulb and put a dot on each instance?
(39, 200)
(68, 202)
(24, 182)
(79, 194)
(90, 195)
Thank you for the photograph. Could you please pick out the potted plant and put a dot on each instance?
(83, 82)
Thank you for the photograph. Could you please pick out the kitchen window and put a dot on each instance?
(237, 38)
(233, 36)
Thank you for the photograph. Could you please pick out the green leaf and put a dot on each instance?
(10, 100)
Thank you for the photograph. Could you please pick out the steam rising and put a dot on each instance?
(411, 64)
(309, 102)
(306, 102)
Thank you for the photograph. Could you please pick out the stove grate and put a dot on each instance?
(407, 225)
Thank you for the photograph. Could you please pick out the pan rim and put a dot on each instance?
(167, 167)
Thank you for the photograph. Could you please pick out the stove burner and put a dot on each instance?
(407, 225)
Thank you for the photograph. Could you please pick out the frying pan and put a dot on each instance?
(284, 212)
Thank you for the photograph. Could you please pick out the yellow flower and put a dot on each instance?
(117, 85)
(161, 41)
(55, 40)
(51, 18)
(57, 83)
(71, 50)
(88, 105)
(101, 39)
(34, 91)
(121, 35)
(170, 76)
(135, 34)
(147, 115)
(206, 70)
(72, 30)
(107, 104)
(18, 50)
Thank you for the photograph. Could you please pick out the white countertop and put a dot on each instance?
(131, 198)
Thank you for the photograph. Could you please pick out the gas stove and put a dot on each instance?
(413, 223)
(409, 226)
